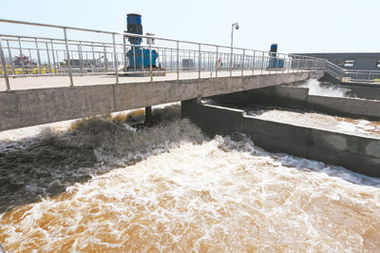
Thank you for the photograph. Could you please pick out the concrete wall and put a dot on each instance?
(211, 118)
(21, 108)
(353, 152)
(298, 98)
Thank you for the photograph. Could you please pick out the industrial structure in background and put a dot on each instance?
(358, 61)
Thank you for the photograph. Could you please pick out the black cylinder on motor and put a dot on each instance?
(134, 25)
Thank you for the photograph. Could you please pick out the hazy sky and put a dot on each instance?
(296, 25)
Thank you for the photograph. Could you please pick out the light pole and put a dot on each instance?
(236, 26)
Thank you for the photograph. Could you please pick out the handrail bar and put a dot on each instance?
(137, 35)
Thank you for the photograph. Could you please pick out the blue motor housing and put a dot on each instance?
(139, 58)
(276, 63)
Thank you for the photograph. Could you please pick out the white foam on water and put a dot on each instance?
(315, 88)
(318, 120)
(219, 195)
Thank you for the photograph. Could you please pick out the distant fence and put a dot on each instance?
(353, 76)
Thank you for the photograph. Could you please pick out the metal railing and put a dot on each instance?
(353, 76)
(70, 55)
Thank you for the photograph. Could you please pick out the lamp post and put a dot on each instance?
(236, 26)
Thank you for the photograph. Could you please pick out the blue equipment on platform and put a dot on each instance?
(274, 62)
(138, 57)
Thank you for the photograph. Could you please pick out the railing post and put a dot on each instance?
(10, 57)
(105, 57)
(48, 56)
(22, 59)
(141, 50)
(80, 56)
(199, 61)
(57, 57)
(115, 58)
(283, 66)
(231, 61)
(52, 52)
(262, 63)
(177, 60)
(93, 56)
(134, 59)
(124, 53)
(242, 64)
(38, 55)
(68, 57)
(217, 61)
(150, 61)
(3, 63)
(253, 62)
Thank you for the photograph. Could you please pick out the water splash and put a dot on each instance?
(315, 88)
(219, 195)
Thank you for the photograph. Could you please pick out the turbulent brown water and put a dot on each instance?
(318, 120)
(168, 188)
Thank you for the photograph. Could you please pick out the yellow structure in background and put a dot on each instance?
(27, 70)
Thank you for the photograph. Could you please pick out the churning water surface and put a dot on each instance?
(330, 90)
(106, 188)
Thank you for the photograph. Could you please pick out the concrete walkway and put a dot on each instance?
(24, 83)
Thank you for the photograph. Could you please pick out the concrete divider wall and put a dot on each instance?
(21, 108)
(289, 96)
(357, 153)
(298, 98)
(213, 119)
(345, 106)
(271, 96)
(277, 137)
